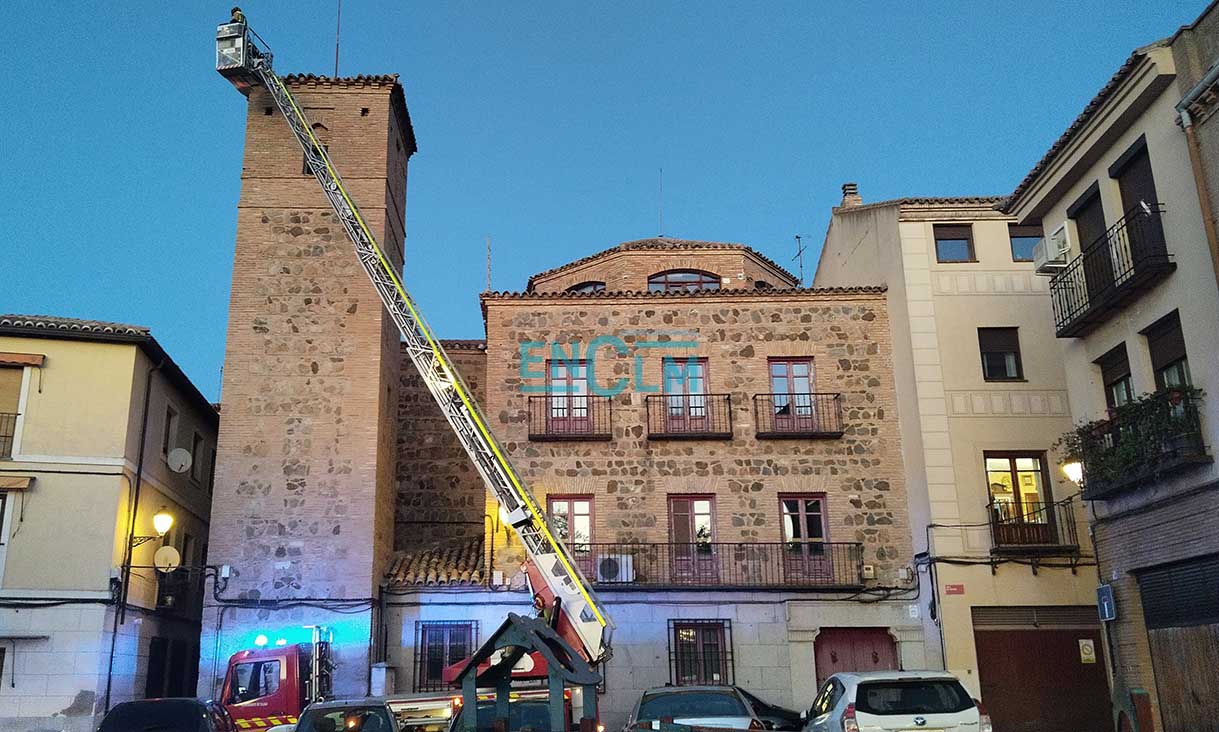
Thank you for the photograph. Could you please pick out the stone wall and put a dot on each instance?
(440, 497)
(303, 503)
(630, 476)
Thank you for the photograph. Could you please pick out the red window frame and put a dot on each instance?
(581, 552)
(568, 408)
(678, 280)
(794, 410)
(805, 556)
(685, 410)
(690, 641)
(693, 561)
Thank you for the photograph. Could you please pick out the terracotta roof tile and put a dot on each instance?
(643, 295)
(464, 344)
(51, 323)
(1084, 117)
(453, 565)
(661, 243)
(986, 201)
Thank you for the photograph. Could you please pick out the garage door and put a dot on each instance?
(1181, 610)
(1042, 669)
(853, 649)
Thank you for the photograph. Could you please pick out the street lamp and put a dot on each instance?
(1074, 471)
(162, 522)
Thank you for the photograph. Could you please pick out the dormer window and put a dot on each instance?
(590, 286)
(683, 280)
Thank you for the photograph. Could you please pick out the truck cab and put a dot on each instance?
(269, 686)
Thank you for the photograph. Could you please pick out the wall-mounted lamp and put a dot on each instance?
(162, 522)
(1074, 471)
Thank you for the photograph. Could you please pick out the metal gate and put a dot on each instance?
(1042, 669)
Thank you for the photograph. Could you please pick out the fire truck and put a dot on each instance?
(560, 590)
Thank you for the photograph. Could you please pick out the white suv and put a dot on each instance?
(910, 701)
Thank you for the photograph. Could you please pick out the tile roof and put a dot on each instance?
(1084, 117)
(464, 344)
(397, 98)
(53, 327)
(53, 324)
(987, 201)
(452, 565)
(661, 243)
(644, 295)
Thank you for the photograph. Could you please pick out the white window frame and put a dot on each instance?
(6, 520)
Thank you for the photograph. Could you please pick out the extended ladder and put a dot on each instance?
(246, 65)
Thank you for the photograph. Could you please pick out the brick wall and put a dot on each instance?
(440, 497)
(628, 266)
(305, 468)
(630, 476)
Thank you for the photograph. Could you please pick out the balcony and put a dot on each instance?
(718, 566)
(8, 428)
(689, 416)
(1153, 437)
(1034, 527)
(798, 416)
(570, 417)
(1128, 259)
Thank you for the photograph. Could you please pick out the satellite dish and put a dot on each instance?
(167, 559)
(179, 459)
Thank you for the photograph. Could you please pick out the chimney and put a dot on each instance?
(850, 196)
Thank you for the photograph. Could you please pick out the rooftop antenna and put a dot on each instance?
(488, 262)
(338, 24)
(662, 203)
(800, 256)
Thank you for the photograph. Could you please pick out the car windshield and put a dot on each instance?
(527, 716)
(917, 696)
(346, 719)
(161, 715)
(684, 704)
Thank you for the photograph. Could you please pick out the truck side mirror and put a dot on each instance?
(804, 714)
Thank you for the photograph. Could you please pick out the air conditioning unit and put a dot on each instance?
(616, 568)
(1050, 254)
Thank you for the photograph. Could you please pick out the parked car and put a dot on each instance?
(347, 715)
(722, 707)
(772, 716)
(168, 715)
(895, 700)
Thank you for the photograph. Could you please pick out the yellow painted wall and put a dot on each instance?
(77, 403)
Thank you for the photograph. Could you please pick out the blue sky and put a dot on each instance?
(542, 125)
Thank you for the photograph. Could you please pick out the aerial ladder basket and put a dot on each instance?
(578, 614)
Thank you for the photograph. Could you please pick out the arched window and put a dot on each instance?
(683, 280)
(590, 286)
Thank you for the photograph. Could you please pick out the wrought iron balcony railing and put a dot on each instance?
(720, 565)
(570, 417)
(8, 428)
(1033, 527)
(1128, 259)
(1141, 442)
(689, 416)
(795, 416)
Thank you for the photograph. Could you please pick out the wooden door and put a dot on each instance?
(791, 387)
(1090, 227)
(853, 649)
(1138, 189)
(805, 555)
(568, 389)
(1036, 680)
(692, 528)
(1184, 661)
(685, 384)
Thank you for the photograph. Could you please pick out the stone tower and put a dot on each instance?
(304, 491)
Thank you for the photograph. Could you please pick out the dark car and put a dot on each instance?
(773, 716)
(524, 715)
(168, 715)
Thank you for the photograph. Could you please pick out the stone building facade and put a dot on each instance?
(308, 444)
(693, 490)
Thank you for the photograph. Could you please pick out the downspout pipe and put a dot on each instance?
(1195, 159)
(120, 606)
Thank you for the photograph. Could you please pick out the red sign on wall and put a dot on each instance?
(954, 589)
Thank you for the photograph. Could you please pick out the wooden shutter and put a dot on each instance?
(999, 340)
(1165, 341)
(1114, 365)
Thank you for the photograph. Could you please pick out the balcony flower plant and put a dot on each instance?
(1137, 439)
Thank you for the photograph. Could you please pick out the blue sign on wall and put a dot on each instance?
(1105, 604)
